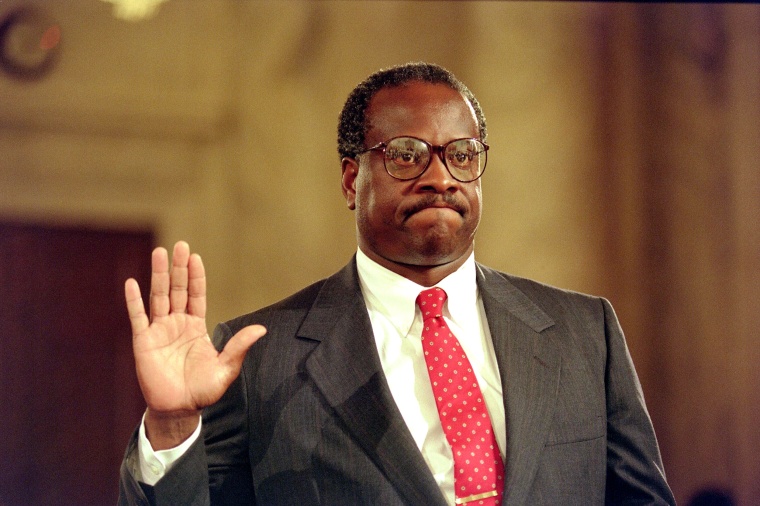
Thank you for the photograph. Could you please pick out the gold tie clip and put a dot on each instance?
(476, 497)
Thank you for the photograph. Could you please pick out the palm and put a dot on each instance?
(178, 368)
(176, 363)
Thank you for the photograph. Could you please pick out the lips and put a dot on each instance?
(445, 201)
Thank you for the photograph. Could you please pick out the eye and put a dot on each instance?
(406, 153)
(460, 158)
(402, 157)
(464, 154)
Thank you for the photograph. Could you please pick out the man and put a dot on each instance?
(362, 391)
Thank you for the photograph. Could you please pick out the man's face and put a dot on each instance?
(428, 221)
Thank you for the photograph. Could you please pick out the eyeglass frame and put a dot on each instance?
(439, 150)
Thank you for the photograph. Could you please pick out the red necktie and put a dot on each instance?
(478, 469)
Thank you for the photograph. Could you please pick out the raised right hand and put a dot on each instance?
(179, 370)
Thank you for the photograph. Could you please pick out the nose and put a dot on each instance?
(436, 177)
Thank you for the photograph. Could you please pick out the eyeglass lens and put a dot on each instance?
(407, 158)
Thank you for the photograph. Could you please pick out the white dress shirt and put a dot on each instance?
(397, 326)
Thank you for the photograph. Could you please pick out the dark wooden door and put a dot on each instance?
(69, 397)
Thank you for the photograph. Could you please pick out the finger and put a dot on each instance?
(135, 307)
(178, 294)
(159, 283)
(196, 289)
(234, 351)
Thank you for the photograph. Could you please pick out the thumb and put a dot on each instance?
(234, 351)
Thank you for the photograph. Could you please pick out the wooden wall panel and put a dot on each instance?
(682, 229)
(69, 396)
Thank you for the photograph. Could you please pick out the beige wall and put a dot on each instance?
(215, 122)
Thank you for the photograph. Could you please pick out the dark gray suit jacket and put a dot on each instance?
(311, 419)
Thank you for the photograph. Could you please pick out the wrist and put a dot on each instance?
(167, 430)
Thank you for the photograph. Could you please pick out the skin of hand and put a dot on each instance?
(179, 370)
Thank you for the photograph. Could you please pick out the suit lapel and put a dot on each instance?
(347, 370)
(529, 366)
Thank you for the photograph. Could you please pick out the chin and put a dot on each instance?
(436, 246)
(439, 250)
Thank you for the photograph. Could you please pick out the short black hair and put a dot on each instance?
(352, 125)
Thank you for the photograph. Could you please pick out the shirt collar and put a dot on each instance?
(394, 295)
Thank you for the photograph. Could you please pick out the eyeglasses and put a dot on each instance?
(408, 158)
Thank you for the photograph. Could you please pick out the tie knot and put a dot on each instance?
(430, 302)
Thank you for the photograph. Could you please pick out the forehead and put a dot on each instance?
(433, 112)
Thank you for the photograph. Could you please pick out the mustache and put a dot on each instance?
(436, 200)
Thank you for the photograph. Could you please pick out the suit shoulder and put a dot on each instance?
(550, 298)
(531, 285)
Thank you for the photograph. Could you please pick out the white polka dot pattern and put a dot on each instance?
(478, 469)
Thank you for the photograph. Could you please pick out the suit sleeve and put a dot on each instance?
(635, 474)
(186, 483)
(214, 471)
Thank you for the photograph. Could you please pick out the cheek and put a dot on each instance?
(475, 199)
(366, 205)
(363, 186)
(371, 198)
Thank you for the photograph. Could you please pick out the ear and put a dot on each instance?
(350, 170)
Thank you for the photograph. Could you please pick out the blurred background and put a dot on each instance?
(624, 162)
